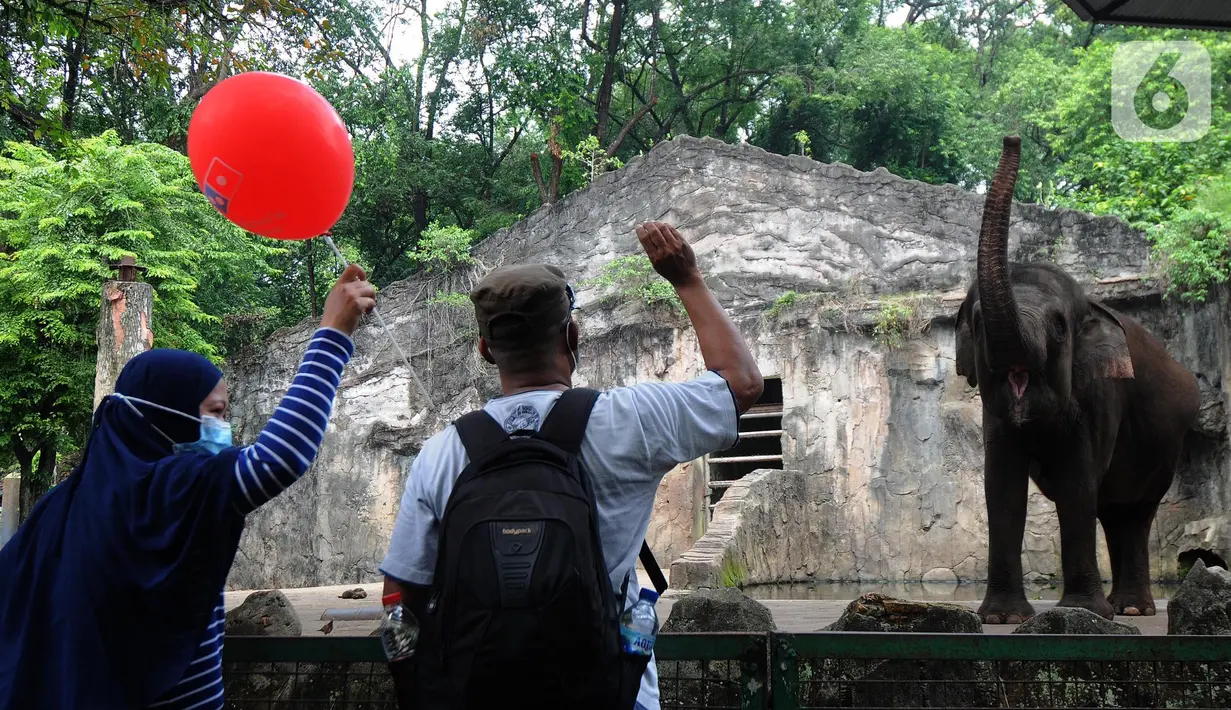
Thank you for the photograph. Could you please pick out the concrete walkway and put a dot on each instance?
(791, 615)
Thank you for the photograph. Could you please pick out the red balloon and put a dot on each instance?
(272, 155)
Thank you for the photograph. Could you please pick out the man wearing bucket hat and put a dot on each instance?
(518, 533)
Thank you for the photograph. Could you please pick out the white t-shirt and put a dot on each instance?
(634, 437)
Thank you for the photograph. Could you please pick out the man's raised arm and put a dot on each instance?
(722, 345)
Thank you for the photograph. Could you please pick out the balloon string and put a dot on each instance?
(341, 259)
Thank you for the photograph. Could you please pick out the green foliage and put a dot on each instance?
(1195, 245)
(805, 143)
(74, 68)
(443, 248)
(894, 323)
(451, 299)
(783, 302)
(591, 158)
(634, 277)
(892, 98)
(1146, 183)
(492, 223)
(62, 222)
(443, 138)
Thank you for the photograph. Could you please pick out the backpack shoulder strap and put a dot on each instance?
(479, 433)
(566, 424)
(566, 427)
(652, 569)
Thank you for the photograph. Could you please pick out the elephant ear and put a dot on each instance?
(964, 348)
(1102, 345)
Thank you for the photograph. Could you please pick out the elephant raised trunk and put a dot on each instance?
(1002, 326)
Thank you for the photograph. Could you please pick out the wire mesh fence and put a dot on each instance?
(975, 671)
(713, 671)
(804, 671)
(342, 673)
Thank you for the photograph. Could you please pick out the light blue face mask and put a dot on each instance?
(215, 437)
(215, 433)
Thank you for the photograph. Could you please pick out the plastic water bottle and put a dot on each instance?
(639, 625)
(399, 632)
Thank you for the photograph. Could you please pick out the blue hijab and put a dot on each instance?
(106, 589)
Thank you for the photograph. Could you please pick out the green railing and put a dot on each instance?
(804, 671)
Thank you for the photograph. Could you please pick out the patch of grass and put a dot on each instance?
(659, 292)
(634, 277)
(452, 299)
(783, 302)
(893, 323)
(732, 573)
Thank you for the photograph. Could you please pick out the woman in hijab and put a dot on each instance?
(111, 594)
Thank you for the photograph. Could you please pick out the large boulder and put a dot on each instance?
(877, 612)
(718, 610)
(261, 685)
(1073, 620)
(1202, 607)
(1202, 604)
(267, 613)
(1032, 684)
(697, 684)
(885, 683)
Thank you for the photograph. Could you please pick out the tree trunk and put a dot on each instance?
(425, 48)
(25, 466)
(123, 331)
(36, 480)
(420, 211)
(537, 170)
(10, 513)
(74, 54)
(433, 101)
(35, 483)
(602, 103)
(549, 191)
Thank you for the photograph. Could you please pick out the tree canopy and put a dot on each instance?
(63, 221)
(468, 114)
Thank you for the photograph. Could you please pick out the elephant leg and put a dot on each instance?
(1130, 595)
(1113, 534)
(1083, 585)
(1005, 481)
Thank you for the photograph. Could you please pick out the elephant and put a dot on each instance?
(1078, 398)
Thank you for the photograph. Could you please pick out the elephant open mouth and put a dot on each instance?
(1018, 380)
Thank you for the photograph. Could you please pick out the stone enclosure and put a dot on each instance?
(845, 284)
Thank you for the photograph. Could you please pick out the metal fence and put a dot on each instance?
(803, 671)
(1000, 671)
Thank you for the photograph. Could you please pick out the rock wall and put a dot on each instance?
(882, 435)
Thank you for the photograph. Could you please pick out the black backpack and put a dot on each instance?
(521, 611)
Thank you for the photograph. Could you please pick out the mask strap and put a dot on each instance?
(129, 401)
(155, 405)
(575, 355)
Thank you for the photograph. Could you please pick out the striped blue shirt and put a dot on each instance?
(282, 453)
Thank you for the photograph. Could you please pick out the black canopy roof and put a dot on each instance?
(1191, 14)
